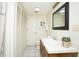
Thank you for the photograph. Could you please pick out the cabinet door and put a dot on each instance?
(43, 51)
(40, 49)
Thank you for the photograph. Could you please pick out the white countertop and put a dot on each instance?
(55, 46)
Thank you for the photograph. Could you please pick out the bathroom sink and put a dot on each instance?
(55, 46)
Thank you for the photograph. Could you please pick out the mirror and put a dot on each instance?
(61, 18)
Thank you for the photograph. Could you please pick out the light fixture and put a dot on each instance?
(37, 9)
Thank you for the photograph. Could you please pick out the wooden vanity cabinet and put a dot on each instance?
(44, 53)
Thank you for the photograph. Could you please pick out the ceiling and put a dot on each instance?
(29, 7)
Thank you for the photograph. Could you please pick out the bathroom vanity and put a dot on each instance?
(53, 48)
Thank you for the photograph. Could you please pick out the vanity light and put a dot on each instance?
(37, 9)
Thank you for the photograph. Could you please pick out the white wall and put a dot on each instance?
(33, 29)
(28, 29)
(73, 24)
(20, 30)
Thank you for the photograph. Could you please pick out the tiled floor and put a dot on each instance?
(31, 51)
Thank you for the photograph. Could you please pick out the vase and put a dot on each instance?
(66, 44)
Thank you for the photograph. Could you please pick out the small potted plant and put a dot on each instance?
(66, 42)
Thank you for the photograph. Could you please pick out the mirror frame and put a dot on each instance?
(66, 27)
